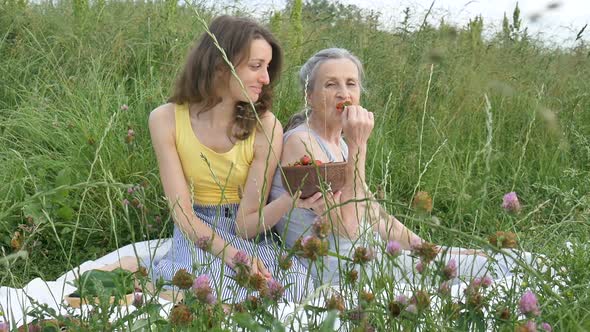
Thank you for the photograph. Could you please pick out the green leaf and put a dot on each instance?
(65, 213)
(34, 210)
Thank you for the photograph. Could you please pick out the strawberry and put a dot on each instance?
(318, 162)
(305, 160)
(341, 105)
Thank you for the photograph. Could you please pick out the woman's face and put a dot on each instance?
(252, 71)
(336, 81)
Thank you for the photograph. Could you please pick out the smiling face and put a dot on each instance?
(336, 81)
(252, 71)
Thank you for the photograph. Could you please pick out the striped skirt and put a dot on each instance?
(184, 254)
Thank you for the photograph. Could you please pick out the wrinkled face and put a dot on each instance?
(336, 81)
(252, 71)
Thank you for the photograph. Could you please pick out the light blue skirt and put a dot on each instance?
(184, 254)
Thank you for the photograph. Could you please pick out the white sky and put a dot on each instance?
(559, 25)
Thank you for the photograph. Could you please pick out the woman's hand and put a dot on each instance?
(259, 267)
(317, 202)
(357, 125)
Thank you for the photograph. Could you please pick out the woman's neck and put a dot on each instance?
(330, 132)
(219, 116)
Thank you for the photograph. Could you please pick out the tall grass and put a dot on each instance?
(462, 117)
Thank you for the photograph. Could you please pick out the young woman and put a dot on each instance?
(332, 132)
(217, 156)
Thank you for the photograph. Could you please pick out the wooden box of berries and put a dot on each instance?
(310, 176)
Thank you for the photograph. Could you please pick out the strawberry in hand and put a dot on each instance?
(341, 105)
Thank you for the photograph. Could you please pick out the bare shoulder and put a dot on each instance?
(299, 138)
(162, 122)
(269, 124)
(163, 114)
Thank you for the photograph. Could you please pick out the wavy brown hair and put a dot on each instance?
(196, 83)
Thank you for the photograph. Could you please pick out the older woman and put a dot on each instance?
(331, 132)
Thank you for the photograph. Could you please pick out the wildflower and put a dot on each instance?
(335, 303)
(510, 202)
(421, 299)
(366, 297)
(504, 313)
(450, 270)
(182, 279)
(138, 299)
(204, 243)
(473, 295)
(503, 239)
(313, 247)
(420, 267)
(321, 227)
(529, 326)
(363, 255)
(425, 250)
(130, 136)
(142, 271)
(445, 288)
(486, 281)
(124, 107)
(352, 276)
(546, 327)
(356, 315)
(16, 242)
(275, 290)
(125, 202)
(202, 289)
(422, 202)
(240, 259)
(252, 303)
(258, 282)
(130, 190)
(401, 299)
(412, 308)
(180, 315)
(393, 248)
(528, 304)
(285, 262)
(394, 308)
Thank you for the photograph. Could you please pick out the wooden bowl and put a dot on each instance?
(309, 178)
(76, 302)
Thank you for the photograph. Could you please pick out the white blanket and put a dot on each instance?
(16, 303)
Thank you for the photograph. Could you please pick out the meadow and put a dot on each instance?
(464, 117)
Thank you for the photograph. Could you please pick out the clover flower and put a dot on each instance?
(204, 243)
(321, 227)
(529, 326)
(425, 250)
(362, 255)
(546, 327)
(335, 303)
(275, 290)
(285, 262)
(393, 248)
(182, 279)
(137, 299)
(422, 202)
(202, 289)
(240, 259)
(124, 107)
(450, 270)
(510, 202)
(180, 315)
(528, 304)
(503, 239)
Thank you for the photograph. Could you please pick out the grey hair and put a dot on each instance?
(307, 76)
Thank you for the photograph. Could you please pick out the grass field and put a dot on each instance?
(462, 117)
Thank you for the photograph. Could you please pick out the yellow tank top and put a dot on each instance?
(213, 178)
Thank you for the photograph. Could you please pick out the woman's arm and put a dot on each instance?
(254, 217)
(162, 131)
